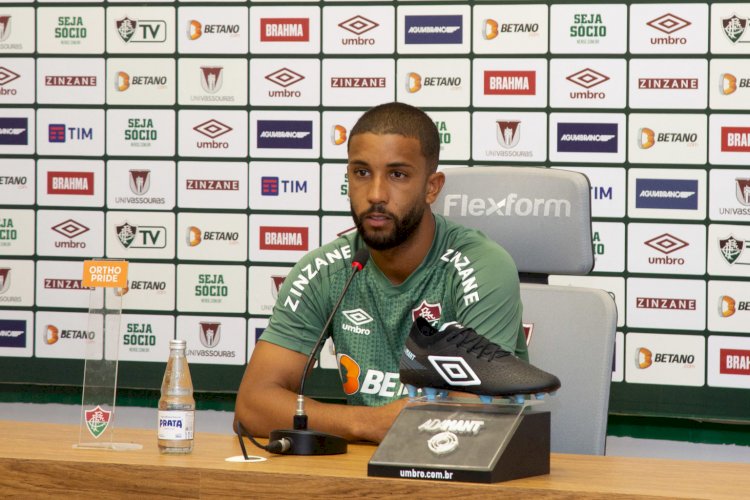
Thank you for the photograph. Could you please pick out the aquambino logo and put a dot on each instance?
(292, 29)
(284, 238)
(12, 333)
(70, 183)
(510, 205)
(671, 194)
(285, 134)
(735, 139)
(14, 131)
(445, 29)
(587, 137)
(510, 83)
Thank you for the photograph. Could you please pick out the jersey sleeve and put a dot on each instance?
(300, 310)
(488, 296)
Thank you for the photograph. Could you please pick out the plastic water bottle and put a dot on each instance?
(176, 405)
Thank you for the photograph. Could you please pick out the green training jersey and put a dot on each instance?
(465, 277)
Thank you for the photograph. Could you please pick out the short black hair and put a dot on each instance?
(402, 119)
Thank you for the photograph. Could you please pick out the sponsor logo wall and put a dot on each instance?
(207, 145)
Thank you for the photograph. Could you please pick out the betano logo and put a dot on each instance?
(727, 306)
(511, 205)
(193, 236)
(338, 135)
(195, 29)
(490, 29)
(645, 358)
(647, 138)
(51, 334)
(413, 82)
(349, 371)
(122, 81)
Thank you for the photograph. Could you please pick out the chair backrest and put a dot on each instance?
(542, 217)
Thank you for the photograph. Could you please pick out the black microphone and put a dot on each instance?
(300, 440)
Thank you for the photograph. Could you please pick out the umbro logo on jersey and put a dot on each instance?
(358, 317)
(454, 370)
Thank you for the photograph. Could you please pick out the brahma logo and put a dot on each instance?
(647, 138)
(293, 29)
(735, 139)
(671, 304)
(510, 83)
(70, 183)
(734, 361)
(454, 370)
(284, 238)
(139, 181)
(12, 333)
(734, 28)
(212, 78)
(587, 137)
(430, 312)
(508, 133)
(210, 334)
(338, 135)
(675, 194)
(14, 131)
(285, 134)
(349, 371)
(510, 205)
(445, 29)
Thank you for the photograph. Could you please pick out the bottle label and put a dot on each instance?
(176, 424)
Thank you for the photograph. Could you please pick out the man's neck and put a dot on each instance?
(398, 263)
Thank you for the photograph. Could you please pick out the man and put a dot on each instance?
(420, 265)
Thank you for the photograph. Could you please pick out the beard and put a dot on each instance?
(403, 227)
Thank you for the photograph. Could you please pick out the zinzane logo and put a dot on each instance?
(454, 370)
(511, 205)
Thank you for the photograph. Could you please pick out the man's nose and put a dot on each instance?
(378, 190)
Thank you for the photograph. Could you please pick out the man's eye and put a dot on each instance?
(398, 175)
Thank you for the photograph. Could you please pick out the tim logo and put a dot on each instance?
(212, 78)
(131, 236)
(587, 137)
(70, 183)
(284, 134)
(57, 133)
(210, 334)
(671, 194)
(269, 186)
(12, 332)
(510, 83)
(508, 133)
(734, 361)
(293, 29)
(4, 28)
(357, 316)
(446, 29)
(283, 238)
(430, 312)
(454, 370)
(141, 31)
(14, 131)
(139, 181)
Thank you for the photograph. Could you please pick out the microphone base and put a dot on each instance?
(306, 442)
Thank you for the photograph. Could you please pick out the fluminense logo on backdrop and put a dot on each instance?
(673, 194)
(735, 29)
(285, 134)
(292, 29)
(70, 183)
(510, 83)
(443, 29)
(140, 236)
(141, 31)
(731, 249)
(587, 137)
(14, 131)
(735, 139)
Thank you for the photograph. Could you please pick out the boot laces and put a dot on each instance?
(475, 344)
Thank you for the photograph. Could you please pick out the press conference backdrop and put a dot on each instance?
(205, 142)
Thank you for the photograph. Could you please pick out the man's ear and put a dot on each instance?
(435, 184)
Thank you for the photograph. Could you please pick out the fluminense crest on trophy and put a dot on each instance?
(97, 421)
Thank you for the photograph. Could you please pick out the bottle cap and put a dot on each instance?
(177, 344)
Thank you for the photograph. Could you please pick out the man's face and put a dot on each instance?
(388, 180)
